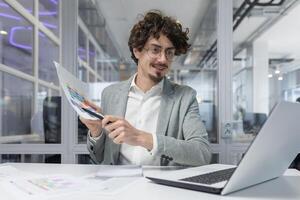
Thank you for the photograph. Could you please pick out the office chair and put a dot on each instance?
(52, 119)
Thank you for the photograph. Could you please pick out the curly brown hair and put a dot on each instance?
(153, 24)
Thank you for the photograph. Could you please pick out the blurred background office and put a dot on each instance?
(245, 57)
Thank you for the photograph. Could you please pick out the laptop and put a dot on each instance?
(268, 156)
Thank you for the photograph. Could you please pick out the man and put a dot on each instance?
(150, 121)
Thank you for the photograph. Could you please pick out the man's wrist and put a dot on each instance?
(146, 140)
(96, 133)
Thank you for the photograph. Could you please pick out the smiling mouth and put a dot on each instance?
(159, 67)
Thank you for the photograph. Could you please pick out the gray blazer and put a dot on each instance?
(181, 135)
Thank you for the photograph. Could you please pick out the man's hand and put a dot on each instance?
(95, 126)
(121, 131)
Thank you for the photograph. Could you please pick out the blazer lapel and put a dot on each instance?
(120, 104)
(121, 98)
(166, 107)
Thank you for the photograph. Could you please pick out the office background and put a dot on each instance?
(243, 60)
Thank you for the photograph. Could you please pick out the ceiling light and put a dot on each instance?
(277, 71)
(184, 71)
(270, 75)
(2, 32)
(280, 78)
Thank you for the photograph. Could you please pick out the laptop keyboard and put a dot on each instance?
(211, 178)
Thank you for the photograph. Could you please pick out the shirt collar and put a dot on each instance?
(157, 87)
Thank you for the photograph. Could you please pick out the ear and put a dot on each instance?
(136, 53)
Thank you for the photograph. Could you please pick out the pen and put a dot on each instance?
(98, 115)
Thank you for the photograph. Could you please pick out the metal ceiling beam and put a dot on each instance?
(238, 17)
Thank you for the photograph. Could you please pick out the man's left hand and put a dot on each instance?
(121, 131)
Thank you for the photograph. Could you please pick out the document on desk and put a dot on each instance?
(9, 172)
(119, 171)
(43, 186)
(34, 186)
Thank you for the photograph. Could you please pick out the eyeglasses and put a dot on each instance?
(155, 51)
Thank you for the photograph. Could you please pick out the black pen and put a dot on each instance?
(95, 114)
(98, 115)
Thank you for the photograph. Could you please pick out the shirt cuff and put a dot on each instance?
(94, 139)
(154, 149)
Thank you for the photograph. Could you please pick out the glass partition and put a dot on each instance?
(31, 158)
(48, 53)
(82, 45)
(49, 14)
(46, 122)
(266, 62)
(28, 5)
(16, 109)
(91, 77)
(92, 55)
(200, 69)
(16, 40)
(204, 82)
(84, 159)
(28, 80)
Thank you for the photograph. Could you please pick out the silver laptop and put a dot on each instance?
(269, 155)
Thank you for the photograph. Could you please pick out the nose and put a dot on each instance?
(162, 57)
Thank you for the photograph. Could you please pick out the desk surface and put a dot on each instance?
(285, 187)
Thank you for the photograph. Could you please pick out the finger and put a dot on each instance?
(118, 139)
(109, 119)
(112, 126)
(116, 133)
(92, 121)
(91, 104)
(83, 120)
(97, 108)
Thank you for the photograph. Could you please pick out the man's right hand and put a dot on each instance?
(95, 126)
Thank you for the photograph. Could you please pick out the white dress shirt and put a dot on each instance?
(142, 113)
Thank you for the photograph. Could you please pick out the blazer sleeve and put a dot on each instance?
(193, 149)
(96, 147)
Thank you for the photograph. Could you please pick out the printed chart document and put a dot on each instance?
(44, 185)
(36, 186)
(77, 93)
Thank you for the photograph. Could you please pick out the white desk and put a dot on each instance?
(285, 187)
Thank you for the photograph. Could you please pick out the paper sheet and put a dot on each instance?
(120, 171)
(9, 172)
(23, 185)
(42, 186)
(76, 92)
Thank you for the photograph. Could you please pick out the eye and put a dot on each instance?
(155, 50)
(170, 53)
